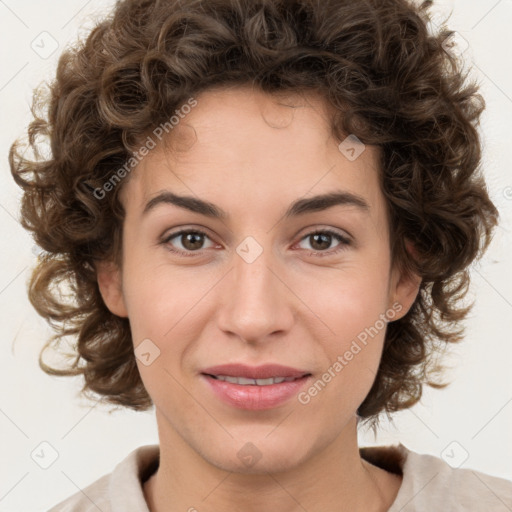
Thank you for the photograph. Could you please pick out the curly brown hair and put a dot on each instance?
(387, 78)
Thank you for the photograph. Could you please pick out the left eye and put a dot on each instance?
(323, 239)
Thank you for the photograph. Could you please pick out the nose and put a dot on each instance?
(255, 301)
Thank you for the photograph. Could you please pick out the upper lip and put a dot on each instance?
(264, 371)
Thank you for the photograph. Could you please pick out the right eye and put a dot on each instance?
(191, 242)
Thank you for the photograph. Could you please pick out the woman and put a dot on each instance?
(267, 211)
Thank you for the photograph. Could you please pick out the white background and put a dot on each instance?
(475, 411)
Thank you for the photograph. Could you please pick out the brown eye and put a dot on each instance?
(192, 241)
(187, 241)
(321, 241)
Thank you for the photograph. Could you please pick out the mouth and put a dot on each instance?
(263, 375)
(244, 381)
(255, 388)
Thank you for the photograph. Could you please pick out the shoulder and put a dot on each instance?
(119, 490)
(429, 483)
(94, 497)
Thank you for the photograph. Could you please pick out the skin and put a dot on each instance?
(253, 156)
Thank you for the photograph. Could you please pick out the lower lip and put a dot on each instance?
(255, 397)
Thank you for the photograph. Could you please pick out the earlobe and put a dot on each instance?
(109, 282)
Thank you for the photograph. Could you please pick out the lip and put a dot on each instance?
(254, 397)
(264, 371)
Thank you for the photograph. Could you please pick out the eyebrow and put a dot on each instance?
(299, 207)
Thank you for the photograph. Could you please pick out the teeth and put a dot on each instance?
(254, 382)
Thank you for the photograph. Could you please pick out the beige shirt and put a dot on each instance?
(429, 484)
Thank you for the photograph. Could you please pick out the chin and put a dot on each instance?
(269, 463)
(259, 454)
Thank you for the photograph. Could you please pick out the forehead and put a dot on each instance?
(248, 143)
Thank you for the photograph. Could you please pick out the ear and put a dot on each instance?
(109, 282)
(404, 286)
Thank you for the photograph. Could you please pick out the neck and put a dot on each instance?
(335, 478)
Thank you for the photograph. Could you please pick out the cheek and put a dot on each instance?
(352, 356)
(160, 311)
(353, 307)
(350, 300)
(158, 297)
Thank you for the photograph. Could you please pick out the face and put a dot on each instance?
(306, 287)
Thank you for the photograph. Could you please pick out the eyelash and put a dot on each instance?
(344, 242)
